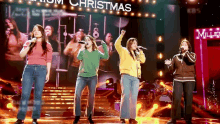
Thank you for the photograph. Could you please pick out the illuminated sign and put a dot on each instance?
(94, 4)
(207, 33)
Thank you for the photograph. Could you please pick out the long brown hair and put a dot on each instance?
(128, 46)
(188, 43)
(16, 31)
(44, 41)
(94, 45)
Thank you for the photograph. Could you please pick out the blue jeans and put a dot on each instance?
(81, 83)
(32, 74)
(129, 88)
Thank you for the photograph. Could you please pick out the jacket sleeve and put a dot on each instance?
(105, 55)
(142, 57)
(172, 65)
(118, 45)
(191, 57)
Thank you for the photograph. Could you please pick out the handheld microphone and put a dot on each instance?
(33, 41)
(82, 42)
(143, 48)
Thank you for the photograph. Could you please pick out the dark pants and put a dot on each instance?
(32, 74)
(187, 88)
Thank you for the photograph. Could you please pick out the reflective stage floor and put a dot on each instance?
(102, 119)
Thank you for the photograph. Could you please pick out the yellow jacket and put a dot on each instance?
(127, 64)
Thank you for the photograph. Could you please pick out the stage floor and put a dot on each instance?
(102, 119)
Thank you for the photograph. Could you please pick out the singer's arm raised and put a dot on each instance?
(68, 49)
(118, 45)
(105, 55)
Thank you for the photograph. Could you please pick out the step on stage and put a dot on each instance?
(109, 119)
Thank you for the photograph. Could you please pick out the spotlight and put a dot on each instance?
(110, 11)
(80, 9)
(88, 9)
(64, 6)
(103, 11)
(169, 106)
(154, 2)
(38, 3)
(160, 73)
(132, 14)
(20, 1)
(155, 106)
(160, 56)
(109, 83)
(29, 2)
(55, 5)
(9, 106)
(160, 38)
(153, 15)
(118, 13)
(10, 1)
(95, 10)
(147, 1)
(138, 106)
(139, 14)
(125, 13)
(146, 15)
(46, 4)
(72, 8)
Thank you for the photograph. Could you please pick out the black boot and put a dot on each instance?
(90, 119)
(34, 121)
(19, 122)
(122, 120)
(172, 121)
(132, 121)
(76, 119)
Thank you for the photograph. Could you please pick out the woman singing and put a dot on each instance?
(13, 45)
(183, 66)
(87, 75)
(37, 71)
(130, 59)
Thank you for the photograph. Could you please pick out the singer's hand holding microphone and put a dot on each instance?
(33, 41)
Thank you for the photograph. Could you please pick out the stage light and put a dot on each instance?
(155, 106)
(95, 10)
(72, 8)
(217, 29)
(103, 11)
(29, 2)
(160, 38)
(64, 6)
(160, 56)
(153, 15)
(9, 106)
(162, 83)
(132, 14)
(110, 11)
(147, 15)
(139, 14)
(160, 73)
(107, 81)
(169, 106)
(80, 9)
(88, 9)
(38, 3)
(20, 1)
(10, 1)
(140, 0)
(210, 29)
(132, 0)
(154, 2)
(118, 12)
(125, 13)
(139, 106)
(55, 5)
(147, 1)
(46, 4)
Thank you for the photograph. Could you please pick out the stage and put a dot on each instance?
(109, 119)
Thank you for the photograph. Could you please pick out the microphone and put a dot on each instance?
(82, 42)
(143, 48)
(33, 41)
